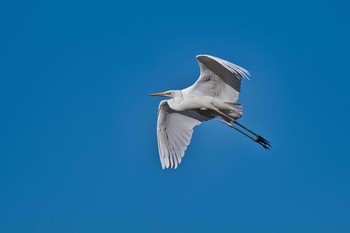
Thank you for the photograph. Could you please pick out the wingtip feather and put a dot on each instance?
(230, 66)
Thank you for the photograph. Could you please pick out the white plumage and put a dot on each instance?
(214, 94)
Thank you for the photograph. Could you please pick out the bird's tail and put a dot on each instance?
(236, 110)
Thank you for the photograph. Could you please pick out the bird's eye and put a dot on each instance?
(168, 93)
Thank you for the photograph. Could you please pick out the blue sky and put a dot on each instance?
(78, 131)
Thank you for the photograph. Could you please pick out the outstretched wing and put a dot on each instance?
(218, 78)
(174, 132)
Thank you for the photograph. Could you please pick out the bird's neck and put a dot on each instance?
(177, 96)
(176, 102)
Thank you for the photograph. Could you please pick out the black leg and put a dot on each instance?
(257, 139)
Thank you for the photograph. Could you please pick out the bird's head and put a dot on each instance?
(170, 94)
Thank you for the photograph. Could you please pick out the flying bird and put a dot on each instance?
(213, 96)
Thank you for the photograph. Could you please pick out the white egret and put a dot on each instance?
(213, 95)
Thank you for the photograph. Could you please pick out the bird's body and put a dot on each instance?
(186, 101)
(213, 95)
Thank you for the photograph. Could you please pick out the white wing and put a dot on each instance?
(218, 78)
(174, 132)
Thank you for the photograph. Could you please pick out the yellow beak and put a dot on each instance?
(158, 94)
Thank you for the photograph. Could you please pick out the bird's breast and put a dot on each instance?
(176, 105)
(186, 104)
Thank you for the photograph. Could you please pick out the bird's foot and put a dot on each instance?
(262, 141)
